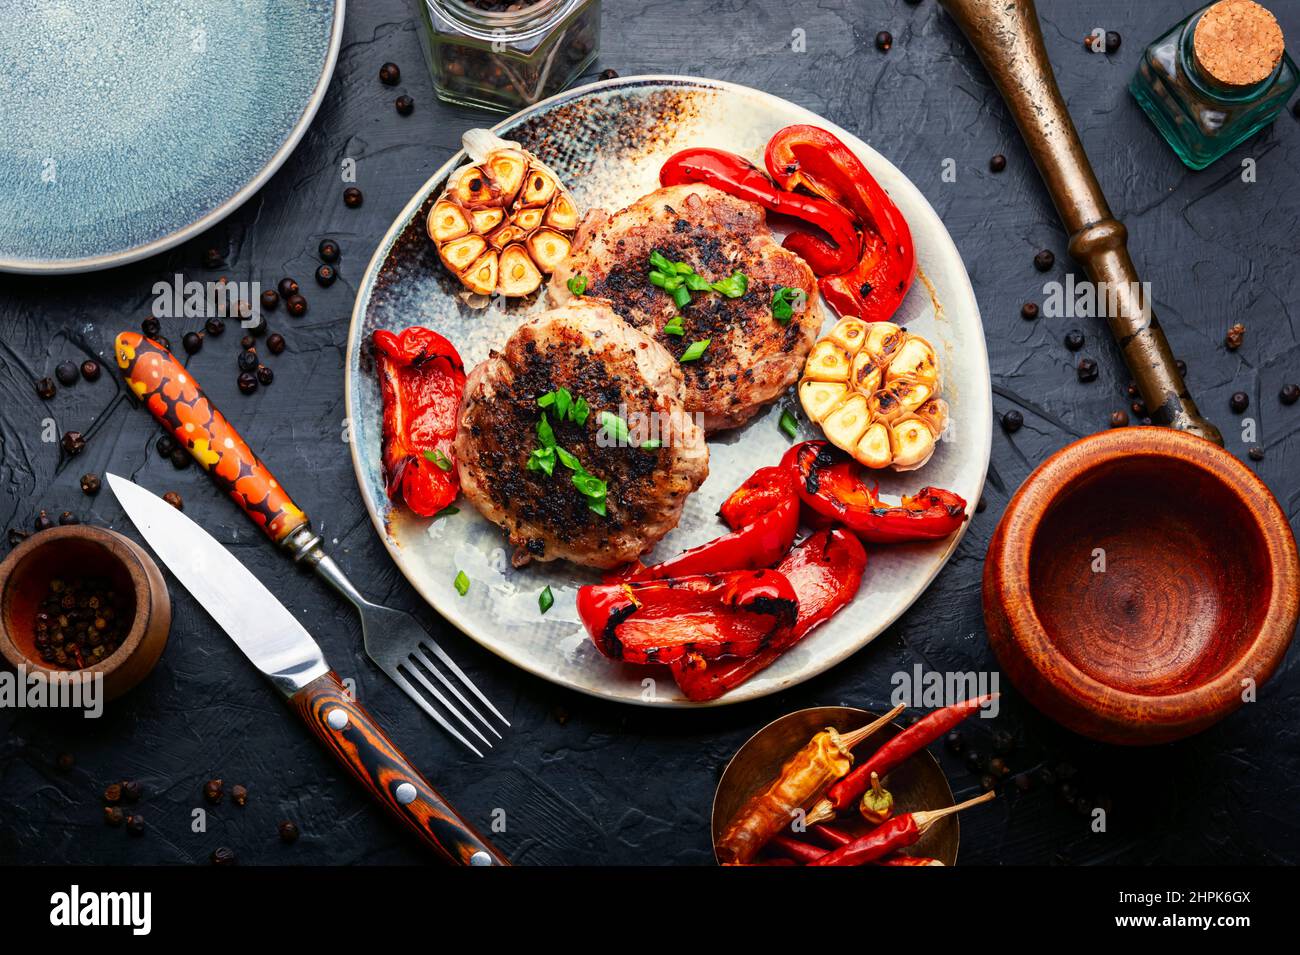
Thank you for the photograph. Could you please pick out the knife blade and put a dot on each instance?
(282, 649)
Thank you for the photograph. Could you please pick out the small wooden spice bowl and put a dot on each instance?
(918, 784)
(1139, 583)
(80, 550)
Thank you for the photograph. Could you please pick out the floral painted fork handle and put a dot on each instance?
(172, 396)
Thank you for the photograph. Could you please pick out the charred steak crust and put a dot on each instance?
(588, 350)
(751, 358)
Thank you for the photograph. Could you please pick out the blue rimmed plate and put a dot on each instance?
(128, 126)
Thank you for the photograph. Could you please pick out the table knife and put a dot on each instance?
(278, 645)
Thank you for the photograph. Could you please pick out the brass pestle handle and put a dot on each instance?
(1006, 36)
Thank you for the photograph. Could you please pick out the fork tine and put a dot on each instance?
(451, 665)
(415, 672)
(419, 656)
(396, 676)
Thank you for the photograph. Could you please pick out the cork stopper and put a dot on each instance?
(1238, 42)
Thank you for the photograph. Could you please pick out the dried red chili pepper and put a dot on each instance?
(816, 160)
(762, 491)
(761, 543)
(902, 860)
(825, 571)
(911, 740)
(706, 615)
(832, 484)
(801, 852)
(737, 176)
(898, 833)
(834, 838)
(421, 379)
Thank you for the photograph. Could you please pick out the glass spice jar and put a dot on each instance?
(1215, 79)
(507, 54)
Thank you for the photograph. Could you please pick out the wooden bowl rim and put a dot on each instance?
(1069, 465)
(123, 550)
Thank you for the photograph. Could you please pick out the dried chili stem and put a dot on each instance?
(928, 817)
(849, 740)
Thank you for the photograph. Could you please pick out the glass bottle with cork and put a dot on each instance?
(1215, 79)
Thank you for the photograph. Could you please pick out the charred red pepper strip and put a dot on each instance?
(825, 571)
(762, 491)
(708, 615)
(737, 176)
(832, 485)
(898, 833)
(845, 793)
(816, 160)
(760, 544)
(421, 379)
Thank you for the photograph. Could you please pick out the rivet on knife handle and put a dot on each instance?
(354, 737)
(172, 396)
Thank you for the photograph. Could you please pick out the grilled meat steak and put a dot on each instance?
(752, 358)
(584, 348)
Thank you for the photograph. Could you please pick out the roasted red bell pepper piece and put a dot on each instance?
(832, 484)
(421, 379)
(763, 490)
(825, 571)
(707, 615)
(737, 176)
(816, 160)
(761, 543)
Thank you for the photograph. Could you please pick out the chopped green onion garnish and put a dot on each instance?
(447, 511)
(654, 444)
(545, 433)
(438, 458)
(695, 349)
(543, 459)
(789, 424)
(660, 263)
(580, 411)
(577, 284)
(696, 283)
(659, 279)
(675, 326)
(681, 296)
(615, 427)
(783, 303)
(461, 583)
(546, 599)
(568, 460)
(733, 287)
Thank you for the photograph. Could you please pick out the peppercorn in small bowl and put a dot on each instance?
(83, 599)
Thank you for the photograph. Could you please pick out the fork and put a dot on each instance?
(400, 646)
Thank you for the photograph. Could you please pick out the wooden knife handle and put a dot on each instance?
(355, 738)
(172, 396)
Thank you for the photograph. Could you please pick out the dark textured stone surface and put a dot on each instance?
(582, 781)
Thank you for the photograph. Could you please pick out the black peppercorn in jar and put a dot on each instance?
(505, 54)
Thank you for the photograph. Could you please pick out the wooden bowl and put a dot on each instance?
(917, 784)
(1137, 579)
(82, 550)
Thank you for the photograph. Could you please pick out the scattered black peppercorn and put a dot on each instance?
(46, 389)
(90, 369)
(389, 74)
(90, 484)
(270, 300)
(1074, 339)
(1181, 366)
(239, 795)
(1289, 394)
(1003, 743)
(288, 832)
(287, 287)
(113, 816)
(78, 623)
(998, 163)
(404, 105)
(165, 445)
(247, 360)
(1012, 421)
(65, 762)
(1236, 335)
(214, 326)
(213, 790)
(1132, 389)
(1256, 453)
(275, 343)
(135, 824)
(328, 250)
(1139, 409)
(17, 536)
(67, 374)
(975, 760)
(1239, 401)
(164, 341)
(610, 74)
(213, 259)
(352, 197)
(248, 341)
(67, 518)
(987, 782)
(325, 276)
(73, 442)
(1113, 41)
(265, 375)
(247, 382)
(113, 793)
(884, 41)
(1029, 311)
(43, 522)
(223, 855)
(174, 499)
(151, 328)
(1087, 369)
(296, 305)
(1024, 782)
(999, 768)
(180, 459)
(1118, 419)
(954, 741)
(132, 790)
(192, 342)
(1044, 260)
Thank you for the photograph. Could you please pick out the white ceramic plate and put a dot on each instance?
(608, 141)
